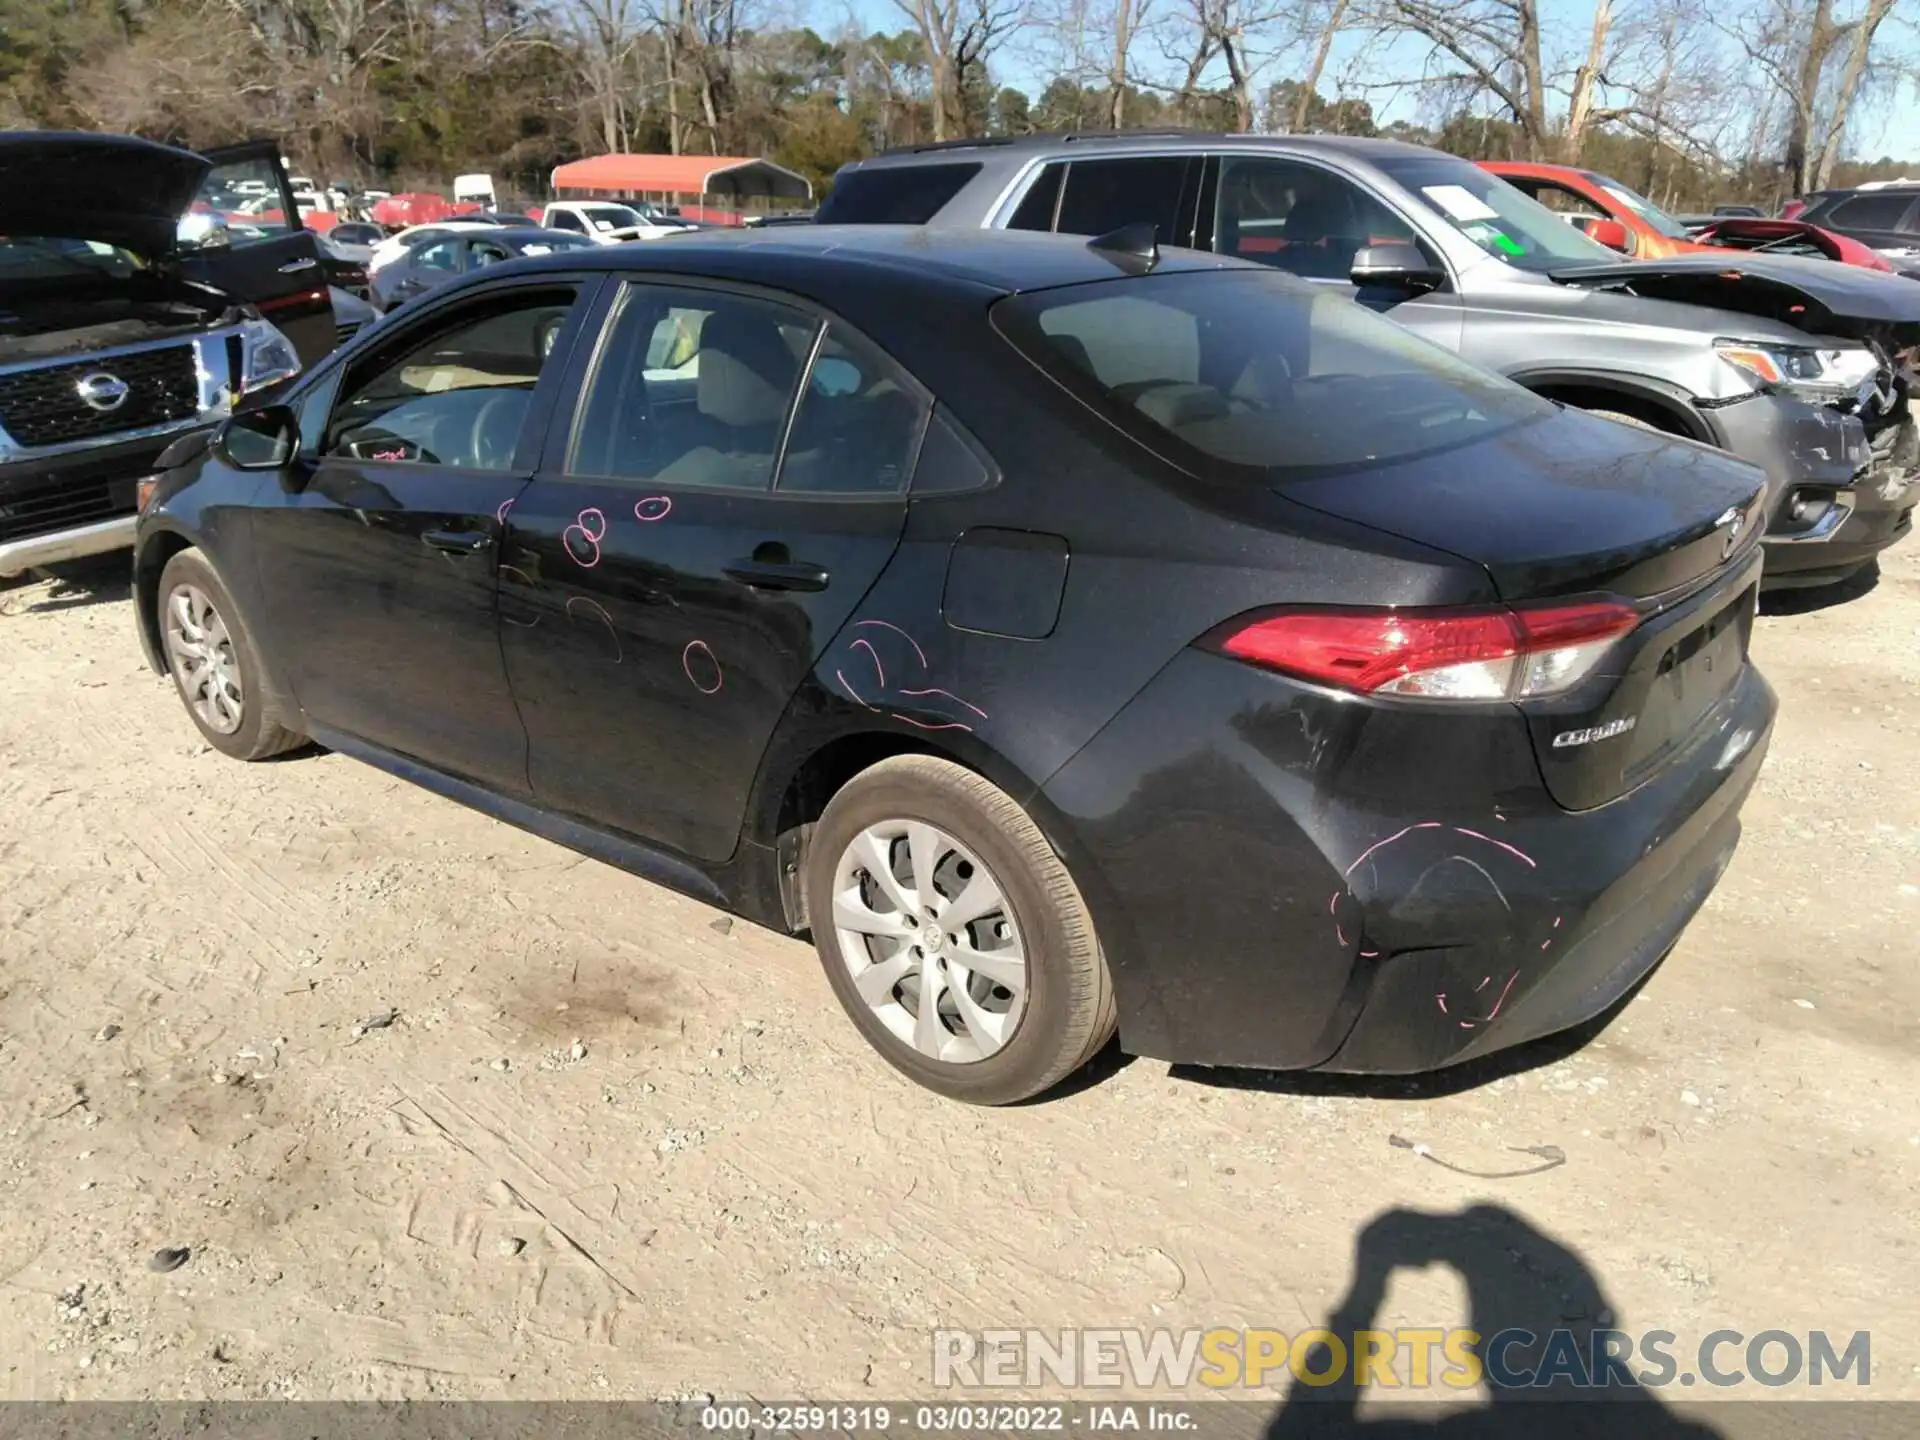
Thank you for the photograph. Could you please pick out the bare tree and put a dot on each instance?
(1586, 82)
(959, 35)
(1493, 46)
(1323, 46)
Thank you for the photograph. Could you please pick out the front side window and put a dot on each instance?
(691, 387)
(457, 399)
(1495, 216)
(486, 252)
(1235, 374)
(439, 255)
(564, 220)
(858, 426)
(1299, 218)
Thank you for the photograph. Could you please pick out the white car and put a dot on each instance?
(396, 245)
(609, 223)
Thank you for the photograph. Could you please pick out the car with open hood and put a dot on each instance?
(134, 308)
(1799, 366)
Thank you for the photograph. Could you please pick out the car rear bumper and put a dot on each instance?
(1328, 896)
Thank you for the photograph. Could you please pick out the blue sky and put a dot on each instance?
(1893, 127)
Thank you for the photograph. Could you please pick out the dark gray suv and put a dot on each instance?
(1794, 365)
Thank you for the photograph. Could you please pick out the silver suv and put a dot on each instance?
(1794, 365)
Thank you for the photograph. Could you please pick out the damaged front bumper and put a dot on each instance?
(1839, 498)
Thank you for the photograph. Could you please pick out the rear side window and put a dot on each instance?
(858, 425)
(1036, 207)
(1103, 195)
(1253, 375)
(1872, 212)
(895, 195)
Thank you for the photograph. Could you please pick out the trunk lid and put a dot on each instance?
(1817, 296)
(113, 189)
(1575, 506)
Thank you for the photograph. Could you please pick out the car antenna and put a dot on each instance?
(1134, 248)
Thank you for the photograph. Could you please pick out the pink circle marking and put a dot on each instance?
(686, 664)
(654, 507)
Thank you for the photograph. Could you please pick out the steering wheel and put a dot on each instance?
(488, 449)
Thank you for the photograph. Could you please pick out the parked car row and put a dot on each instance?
(1194, 587)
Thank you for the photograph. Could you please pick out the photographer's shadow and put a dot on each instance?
(1517, 1279)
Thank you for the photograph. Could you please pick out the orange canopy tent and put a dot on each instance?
(730, 177)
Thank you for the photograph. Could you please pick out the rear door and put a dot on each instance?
(730, 489)
(279, 273)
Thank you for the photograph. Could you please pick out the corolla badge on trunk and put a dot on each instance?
(1594, 732)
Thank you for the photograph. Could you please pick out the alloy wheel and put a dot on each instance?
(201, 652)
(927, 933)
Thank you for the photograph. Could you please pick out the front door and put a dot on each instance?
(272, 260)
(732, 486)
(380, 567)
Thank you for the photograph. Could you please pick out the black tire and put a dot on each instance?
(262, 729)
(1069, 1009)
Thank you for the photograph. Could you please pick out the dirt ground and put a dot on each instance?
(611, 1146)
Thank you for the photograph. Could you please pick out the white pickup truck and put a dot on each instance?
(610, 222)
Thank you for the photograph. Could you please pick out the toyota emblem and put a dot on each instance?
(1735, 522)
(101, 391)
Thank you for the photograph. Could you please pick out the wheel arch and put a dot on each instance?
(797, 783)
(1666, 407)
(155, 549)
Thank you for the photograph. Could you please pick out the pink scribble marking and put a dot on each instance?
(505, 505)
(1503, 994)
(945, 725)
(850, 690)
(878, 669)
(1512, 850)
(654, 507)
(949, 695)
(600, 613)
(1442, 998)
(686, 664)
(1339, 934)
(1398, 834)
(889, 625)
(588, 534)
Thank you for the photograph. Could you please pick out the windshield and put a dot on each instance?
(1651, 213)
(610, 217)
(1254, 375)
(56, 257)
(1508, 225)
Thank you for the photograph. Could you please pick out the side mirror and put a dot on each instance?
(1395, 265)
(1612, 234)
(264, 438)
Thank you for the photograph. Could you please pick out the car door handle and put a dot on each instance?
(294, 267)
(457, 542)
(776, 575)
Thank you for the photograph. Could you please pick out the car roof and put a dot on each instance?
(1084, 141)
(804, 258)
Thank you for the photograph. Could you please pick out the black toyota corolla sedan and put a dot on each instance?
(1067, 635)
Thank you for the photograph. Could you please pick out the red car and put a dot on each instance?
(1624, 220)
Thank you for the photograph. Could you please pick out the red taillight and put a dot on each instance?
(1482, 654)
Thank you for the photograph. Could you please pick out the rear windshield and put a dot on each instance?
(896, 195)
(1249, 374)
(1508, 225)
